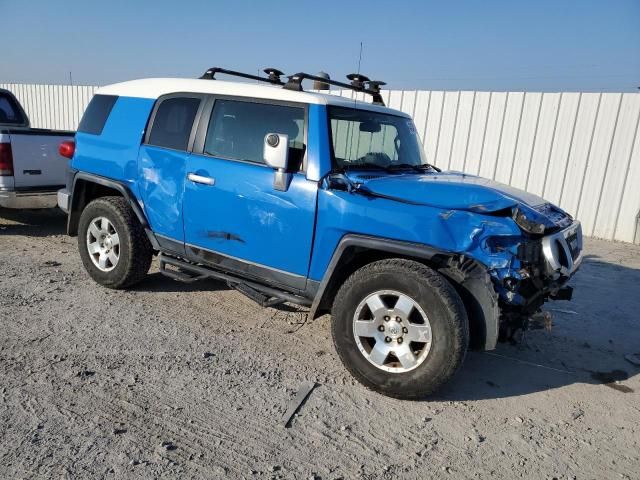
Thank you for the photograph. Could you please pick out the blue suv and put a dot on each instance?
(296, 196)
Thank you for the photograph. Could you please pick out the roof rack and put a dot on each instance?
(273, 75)
(359, 83)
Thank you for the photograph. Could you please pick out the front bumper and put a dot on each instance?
(541, 270)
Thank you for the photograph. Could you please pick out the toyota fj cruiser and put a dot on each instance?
(296, 196)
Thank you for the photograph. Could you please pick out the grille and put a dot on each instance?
(562, 250)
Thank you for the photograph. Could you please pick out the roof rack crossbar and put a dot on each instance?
(273, 75)
(359, 83)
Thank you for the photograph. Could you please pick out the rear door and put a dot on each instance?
(162, 165)
(234, 217)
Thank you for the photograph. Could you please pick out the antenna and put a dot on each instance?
(360, 57)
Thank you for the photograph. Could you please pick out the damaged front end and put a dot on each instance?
(539, 264)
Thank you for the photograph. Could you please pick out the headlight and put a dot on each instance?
(526, 224)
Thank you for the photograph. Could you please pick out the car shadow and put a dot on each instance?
(588, 343)
(157, 282)
(32, 222)
(590, 338)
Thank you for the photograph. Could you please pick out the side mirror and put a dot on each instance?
(276, 155)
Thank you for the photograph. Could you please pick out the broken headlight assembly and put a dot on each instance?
(527, 224)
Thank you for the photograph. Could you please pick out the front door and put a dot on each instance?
(233, 216)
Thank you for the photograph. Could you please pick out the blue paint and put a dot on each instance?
(114, 153)
(297, 231)
(451, 190)
(319, 146)
(160, 179)
(456, 231)
(269, 227)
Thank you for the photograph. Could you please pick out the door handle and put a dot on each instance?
(195, 178)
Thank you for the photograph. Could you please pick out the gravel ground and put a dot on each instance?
(171, 380)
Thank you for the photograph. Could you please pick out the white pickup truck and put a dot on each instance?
(31, 169)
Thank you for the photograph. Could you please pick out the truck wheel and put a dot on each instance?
(113, 245)
(400, 328)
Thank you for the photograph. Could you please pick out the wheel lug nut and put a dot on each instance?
(399, 339)
(398, 319)
(405, 330)
(387, 339)
(381, 328)
(387, 318)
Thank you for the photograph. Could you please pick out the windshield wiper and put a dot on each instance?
(366, 166)
(418, 168)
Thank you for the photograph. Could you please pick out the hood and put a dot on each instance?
(448, 190)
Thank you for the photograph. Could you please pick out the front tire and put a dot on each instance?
(400, 328)
(113, 246)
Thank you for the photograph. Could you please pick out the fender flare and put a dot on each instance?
(470, 278)
(77, 203)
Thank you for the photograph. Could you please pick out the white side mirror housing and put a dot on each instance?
(276, 155)
(276, 150)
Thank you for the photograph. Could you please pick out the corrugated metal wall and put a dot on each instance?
(52, 106)
(579, 150)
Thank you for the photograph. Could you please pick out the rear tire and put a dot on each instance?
(412, 328)
(113, 245)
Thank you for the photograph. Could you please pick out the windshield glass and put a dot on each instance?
(364, 139)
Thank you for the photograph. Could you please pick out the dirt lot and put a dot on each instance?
(191, 381)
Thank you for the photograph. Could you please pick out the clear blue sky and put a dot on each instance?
(547, 45)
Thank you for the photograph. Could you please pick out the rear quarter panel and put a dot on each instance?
(114, 153)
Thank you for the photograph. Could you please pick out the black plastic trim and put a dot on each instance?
(260, 273)
(473, 282)
(370, 243)
(77, 204)
(169, 245)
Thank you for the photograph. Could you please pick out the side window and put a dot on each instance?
(9, 111)
(96, 114)
(173, 122)
(237, 130)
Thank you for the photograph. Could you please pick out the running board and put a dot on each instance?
(255, 295)
(265, 296)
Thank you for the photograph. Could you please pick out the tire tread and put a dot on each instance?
(451, 300)
(141, 251)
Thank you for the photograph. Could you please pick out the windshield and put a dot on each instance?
(365, 139)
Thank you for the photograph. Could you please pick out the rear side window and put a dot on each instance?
(9, 111)
(96, 114)
(173, 122)
(237, 130)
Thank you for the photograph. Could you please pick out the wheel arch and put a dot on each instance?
(470, 279)
(88, 187)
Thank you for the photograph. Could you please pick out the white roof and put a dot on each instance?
(156, 87)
